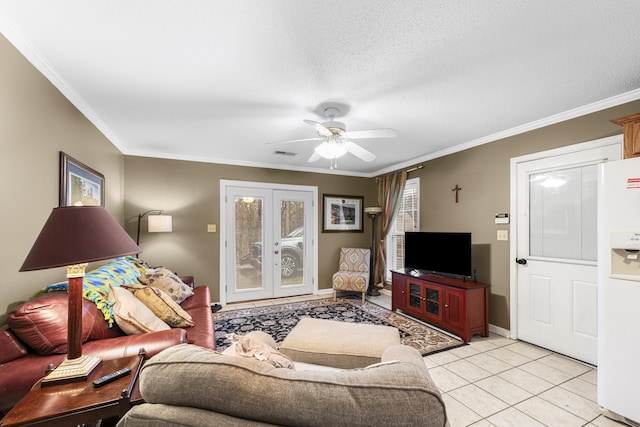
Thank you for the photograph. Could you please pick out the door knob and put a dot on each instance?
(521, 261)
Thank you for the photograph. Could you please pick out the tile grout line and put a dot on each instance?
(533, 395)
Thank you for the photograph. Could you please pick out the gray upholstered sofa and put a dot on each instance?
(189, 385)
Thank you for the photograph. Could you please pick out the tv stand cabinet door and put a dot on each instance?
(398, 292)
(456, 313)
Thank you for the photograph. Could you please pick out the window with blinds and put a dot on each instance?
(407, 219)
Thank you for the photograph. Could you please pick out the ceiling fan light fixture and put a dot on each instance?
(331, 149)
(335, 141)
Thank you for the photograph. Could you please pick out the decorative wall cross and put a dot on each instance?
(456, 189)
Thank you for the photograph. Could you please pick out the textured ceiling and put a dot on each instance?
(215, 80)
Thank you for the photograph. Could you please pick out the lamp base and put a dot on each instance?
(71, 371)
(373, 292)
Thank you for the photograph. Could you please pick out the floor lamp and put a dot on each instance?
(72, 237)
(373, 212)
(156, 223)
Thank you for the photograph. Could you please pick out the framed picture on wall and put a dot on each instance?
(79, 184)
(342, 213)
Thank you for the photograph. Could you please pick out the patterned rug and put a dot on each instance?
(278, 320)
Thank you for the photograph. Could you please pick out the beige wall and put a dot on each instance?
(483, 174)
(190, 192)
(36, 123)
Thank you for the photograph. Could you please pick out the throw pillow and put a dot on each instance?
(162, 305)
(167, 282)
(131, 315)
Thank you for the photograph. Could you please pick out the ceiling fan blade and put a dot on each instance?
(319, 127)
(373, 133)
(359, 152)
(294, 140)
(314, 157)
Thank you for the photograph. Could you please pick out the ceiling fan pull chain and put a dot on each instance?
(334, 163)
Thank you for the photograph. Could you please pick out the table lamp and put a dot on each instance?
(72, 237)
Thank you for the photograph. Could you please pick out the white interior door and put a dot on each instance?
(556, 244)
(268, 247)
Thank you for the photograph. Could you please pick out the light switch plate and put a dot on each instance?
(211, 228)
(503, 234)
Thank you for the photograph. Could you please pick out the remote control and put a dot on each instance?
(111, 377)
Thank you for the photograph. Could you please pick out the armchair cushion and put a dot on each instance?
(354, 259)
(350, 281)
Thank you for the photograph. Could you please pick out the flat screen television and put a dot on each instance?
(442, 253)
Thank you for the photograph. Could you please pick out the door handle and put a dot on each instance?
(521, 261)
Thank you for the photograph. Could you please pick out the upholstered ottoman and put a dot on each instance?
(338, 344)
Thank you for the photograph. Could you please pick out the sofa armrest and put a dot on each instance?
(12, 348)
(404, 353)
(199, 307)
(201, 298)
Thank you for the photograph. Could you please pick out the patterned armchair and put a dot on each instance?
(353, 271)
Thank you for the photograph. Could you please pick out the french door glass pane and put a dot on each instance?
(562, 213)
(293, 241)
(248, 242)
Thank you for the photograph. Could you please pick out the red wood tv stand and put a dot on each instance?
(457, 306)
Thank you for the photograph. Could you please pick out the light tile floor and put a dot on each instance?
(497, 381)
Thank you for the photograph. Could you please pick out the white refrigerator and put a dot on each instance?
(619, 290)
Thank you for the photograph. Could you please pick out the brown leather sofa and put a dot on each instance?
(21, 366)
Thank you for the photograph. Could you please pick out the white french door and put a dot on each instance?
(268, 246)
(556, 248)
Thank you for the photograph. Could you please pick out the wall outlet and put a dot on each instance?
(211, 228)
(503, 234)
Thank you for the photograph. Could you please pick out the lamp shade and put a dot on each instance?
(160, 223)
(78, 234)
(373, 210)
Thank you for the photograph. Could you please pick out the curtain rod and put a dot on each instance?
(415, 168)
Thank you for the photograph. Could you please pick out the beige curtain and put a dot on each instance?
(390, 189)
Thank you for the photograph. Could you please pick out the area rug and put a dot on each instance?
(278, 320)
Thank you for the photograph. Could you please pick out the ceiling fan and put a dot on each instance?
(336, 141)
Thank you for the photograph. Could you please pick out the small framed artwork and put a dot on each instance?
(342, 213)
(79, 184)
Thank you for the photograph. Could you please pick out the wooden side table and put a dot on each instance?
(80, 402)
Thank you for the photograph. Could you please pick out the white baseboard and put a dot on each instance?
(329, 291)
(500, 331)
